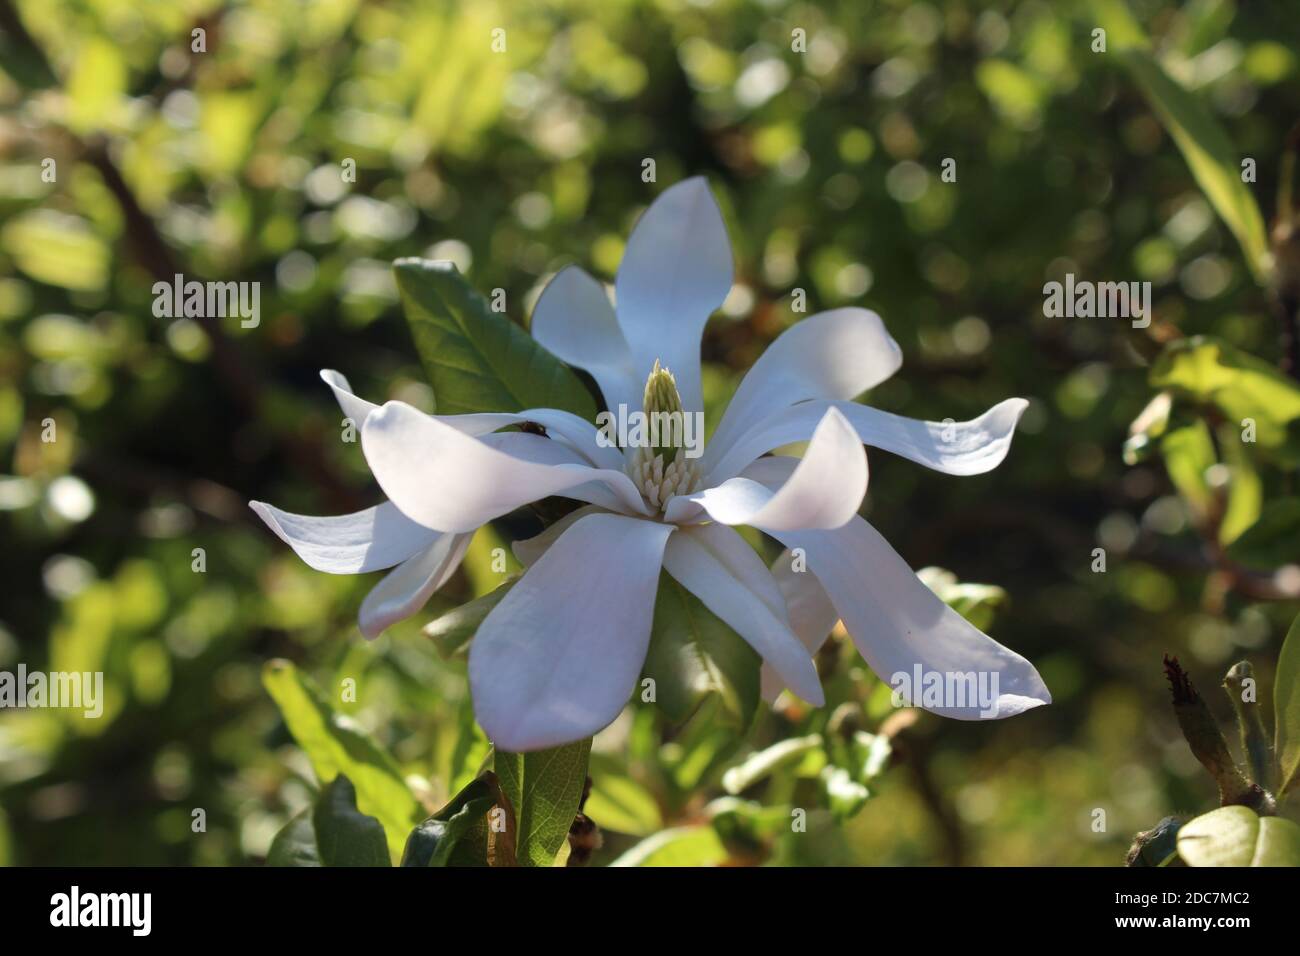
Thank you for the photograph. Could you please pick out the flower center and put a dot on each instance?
(658, 465)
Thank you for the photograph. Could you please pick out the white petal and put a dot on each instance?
(832, 355)
(530, 549)
(812, 615)
(956, 448)
(676, 271)
(556, 660)
(578, 433)
(406, 588)
(575, 321)
(446, 479)
(898, 624)
(824, 491)
(718, 567)
(357, 409)
(368, 540)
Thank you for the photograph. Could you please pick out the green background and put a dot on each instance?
(225, 165)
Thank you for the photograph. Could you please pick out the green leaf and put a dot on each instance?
(1286, 710)
(1205, 146)
(681, 846)
(1240, 385)
(1236, 836)
(452, 632)
(1188, 452)
(619, 804)
(456, 834)
(295, 844)
(766, 762)
(1245, 488)
(693, 654)
(478, 360)
(1273, 540)
(344, 835)
(543, 789)
(335, 744)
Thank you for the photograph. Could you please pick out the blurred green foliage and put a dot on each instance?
(226, 165)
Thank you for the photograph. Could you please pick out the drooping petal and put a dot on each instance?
(824, 491)
(835, 355)
(573, 318)
(717, 566)
(676, 271)
(812, 615)
(556, 660)
(357, 409)
(368, 540)
(902, 628)
(955, 448)
(407, 588)
(446, 479)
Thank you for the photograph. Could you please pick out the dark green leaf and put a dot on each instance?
(452, 632)
(693, 654)
(457, 832)
(295, 845)
(478, 360)
(344, 835)
(543, 789)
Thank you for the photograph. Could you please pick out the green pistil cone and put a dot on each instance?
(661, 396)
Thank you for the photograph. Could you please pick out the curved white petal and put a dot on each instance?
(406, 588)
(824, 491)
(574, 431)
(556, 660)
(902, 628)
(676, 271)
(368, 540)
(530, 549)
(446, 479)
(718, 567)
(955, 448)
(812, 615)
(831, 355)
(573, 318)
(357, 409)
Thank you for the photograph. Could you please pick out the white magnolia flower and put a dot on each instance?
(558, 657)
